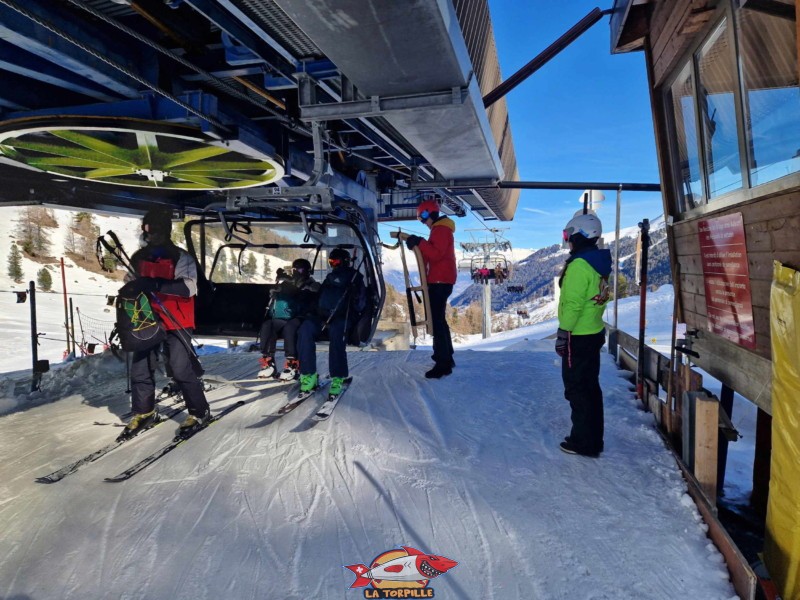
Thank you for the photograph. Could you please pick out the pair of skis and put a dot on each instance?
(71, 468)
(89, 458)
(185, 435)
(325, 411)
(322, 414)
(176, 441)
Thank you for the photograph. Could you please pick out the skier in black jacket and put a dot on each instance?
(342, 299)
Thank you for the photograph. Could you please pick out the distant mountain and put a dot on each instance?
(536, 273)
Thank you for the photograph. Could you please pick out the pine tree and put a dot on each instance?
(267, 271)
(44, 280)
(32, 230)
(109, 262)
(86, 233)
(250, 267)
(622, 286)
(221, 270)
(15, 263)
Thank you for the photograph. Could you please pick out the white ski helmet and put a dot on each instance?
(588, 225)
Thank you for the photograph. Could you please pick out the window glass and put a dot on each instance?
(717, 81)
(688, 154)
(768, 47)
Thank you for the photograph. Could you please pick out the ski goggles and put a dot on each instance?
(566, 234)
(335, 262)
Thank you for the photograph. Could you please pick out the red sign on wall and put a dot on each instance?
(723, 252)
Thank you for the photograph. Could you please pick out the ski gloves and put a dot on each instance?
(413, 241)
(562, 342)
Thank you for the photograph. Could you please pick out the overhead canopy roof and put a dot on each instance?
(230, 69)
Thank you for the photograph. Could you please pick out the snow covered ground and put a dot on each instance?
(467, 467)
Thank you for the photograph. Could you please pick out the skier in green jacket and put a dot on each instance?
(581, 332)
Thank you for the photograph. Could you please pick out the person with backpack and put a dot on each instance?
(342, 300)
(439, 254)
(581, 332)
(292, 300)
(168, 276)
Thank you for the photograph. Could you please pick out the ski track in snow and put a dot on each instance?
(467, 467)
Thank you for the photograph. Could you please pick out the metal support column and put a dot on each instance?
(645, 233)
(34, 338)
(616, 258)
(487, 310)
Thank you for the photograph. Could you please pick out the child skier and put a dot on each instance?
(291, 301)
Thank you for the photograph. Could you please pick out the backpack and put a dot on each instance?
(138, 327)
(284, 306)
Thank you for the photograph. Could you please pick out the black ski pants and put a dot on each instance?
(337, 346)
(438, 293)
(272, 329)
(580, 370)
(184, 368)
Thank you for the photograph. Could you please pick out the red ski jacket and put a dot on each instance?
(172, 264)
(439, 252)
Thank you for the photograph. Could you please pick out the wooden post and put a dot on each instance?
(706, 434)
(797, 39)
(673, 355)
(726, 404)
(761, 463)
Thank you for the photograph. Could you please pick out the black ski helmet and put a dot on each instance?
(301, 265)
(157, 220)
(339, 254)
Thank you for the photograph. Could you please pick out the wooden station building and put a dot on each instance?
(723, 78)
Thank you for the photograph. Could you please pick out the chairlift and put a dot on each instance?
(236, 310)
(487, 259)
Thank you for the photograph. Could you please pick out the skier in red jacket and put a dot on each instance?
(439, 254)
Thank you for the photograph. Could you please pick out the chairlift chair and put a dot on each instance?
(236, 310)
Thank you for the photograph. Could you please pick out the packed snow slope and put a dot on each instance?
(467, 467)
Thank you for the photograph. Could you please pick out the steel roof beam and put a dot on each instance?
(534, 185)
(222, 71)
(23, 32)
(377, 106)
(545, 56)
(579, 185)
(239, 26)
(18, 93)
(35, 68)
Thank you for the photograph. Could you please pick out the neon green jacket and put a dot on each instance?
(578, 311)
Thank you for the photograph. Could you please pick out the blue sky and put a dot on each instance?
(584, 116)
